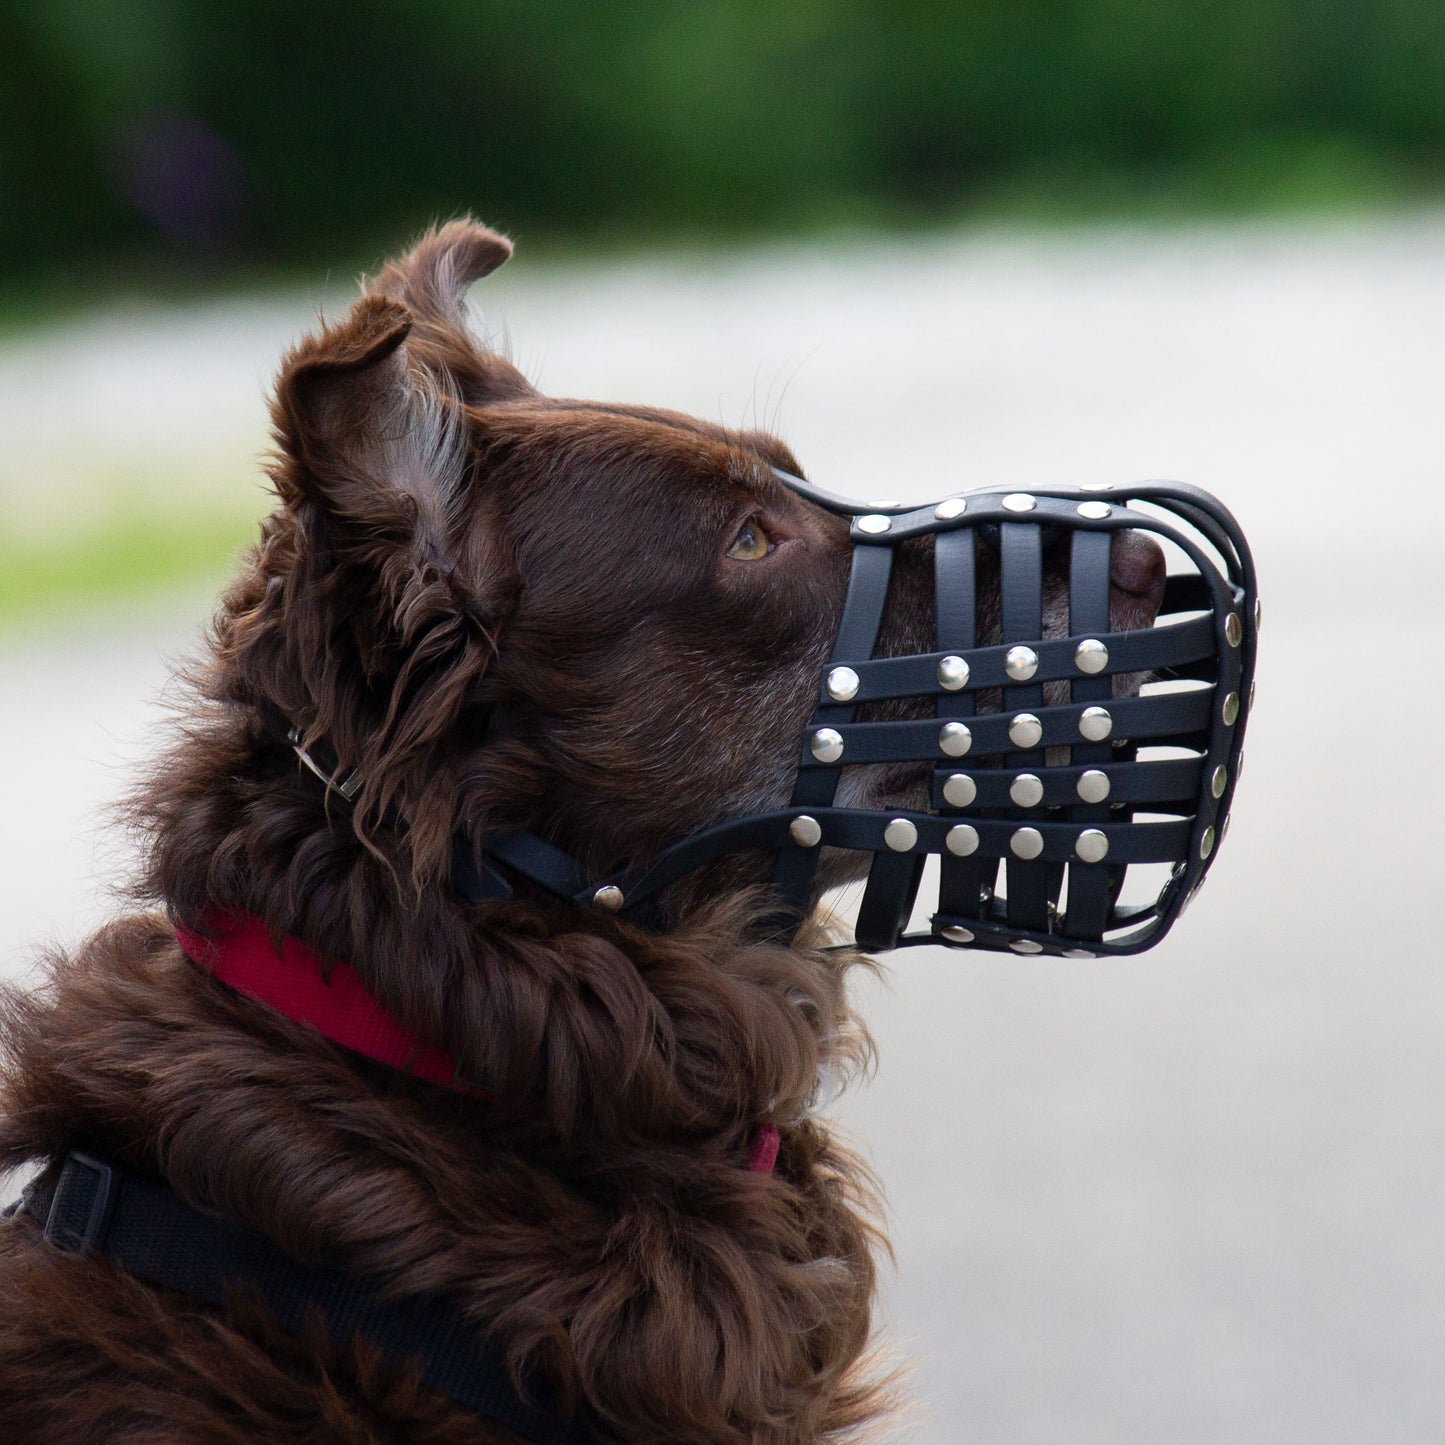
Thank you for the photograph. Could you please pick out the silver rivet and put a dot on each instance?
(1025, 945)
(952, 674)
(1025, 730)
(1091, 656)
(961, 840)
(946, 511)
(1093, 786)
(900, 835)
(954, 739)
(1206, 843)
(1251, 696)
(1239, 767)
(1219, 780)
(1094, 511)
(1233, 630)
(1095, 724)
(954, 934)
(842, 684)
(609, 896)
(1097, 487)
(1026, 843)
(826, 745)
(1026, 791)
(959, 790)
(1019, 502)
(1230, 711)
(1258, 614)
(1079, 953)
(1021, 663)
(1224, 827)
(805, 831)
(1092, 845)
(873, 524)
(886, 506)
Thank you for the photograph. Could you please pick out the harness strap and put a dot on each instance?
(91, 1207)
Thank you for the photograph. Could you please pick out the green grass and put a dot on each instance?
(123, 557)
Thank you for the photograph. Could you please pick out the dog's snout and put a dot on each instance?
(1136, 579)
(1136, 564)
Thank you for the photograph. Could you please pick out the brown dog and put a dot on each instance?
(602, 623)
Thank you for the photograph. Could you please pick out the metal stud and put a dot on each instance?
(952, 674)
(1097, 487)
(1025, 730)
(1094, 511)
(1252, 682)
(842, 684)
(826, 745)
(1079, 953)
(953, 507)
(954, 934)
(1206, 843)
(1258, 614)
(1230, 709)
(961, 840)
(1091, 656)
(1239, 767)
(1233, 630)
(609, 896)
(1019, 502)
(959, 790)
(954, 739)
(1095, 724)
(873, 524)
(1224, 827)
(1026, 843)
(806, 832)
(1093, 786)
(1025, 945)
(1092, 845)
(1021, 663)
(900, 835)
(1026, 791)
(1219, 780)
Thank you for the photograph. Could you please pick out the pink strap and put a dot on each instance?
(237, 949)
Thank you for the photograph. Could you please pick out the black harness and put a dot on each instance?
(91, 1208)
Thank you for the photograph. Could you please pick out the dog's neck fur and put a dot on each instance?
(599, 1215)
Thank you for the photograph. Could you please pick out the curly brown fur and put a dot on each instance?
(504, 610)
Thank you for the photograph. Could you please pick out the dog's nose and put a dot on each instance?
(1136, 579)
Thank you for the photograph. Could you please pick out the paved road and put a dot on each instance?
(1195, 1197)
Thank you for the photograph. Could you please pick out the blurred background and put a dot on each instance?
(1192, 1197)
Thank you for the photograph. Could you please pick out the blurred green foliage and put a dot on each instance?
(205, 134)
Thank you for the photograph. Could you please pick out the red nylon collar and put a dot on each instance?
(237, 949)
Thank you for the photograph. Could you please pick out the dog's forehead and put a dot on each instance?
(637, 452)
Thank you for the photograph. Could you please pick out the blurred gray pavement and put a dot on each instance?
(1193, 1197)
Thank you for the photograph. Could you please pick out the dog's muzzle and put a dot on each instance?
(1074, 828)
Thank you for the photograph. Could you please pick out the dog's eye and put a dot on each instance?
(750, 544)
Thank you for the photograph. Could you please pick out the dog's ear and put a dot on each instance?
(432, 283)
(387, 632)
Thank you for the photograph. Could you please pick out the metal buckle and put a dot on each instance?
(348, 784)
(102, 1204)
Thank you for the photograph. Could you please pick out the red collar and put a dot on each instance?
(237, 949)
